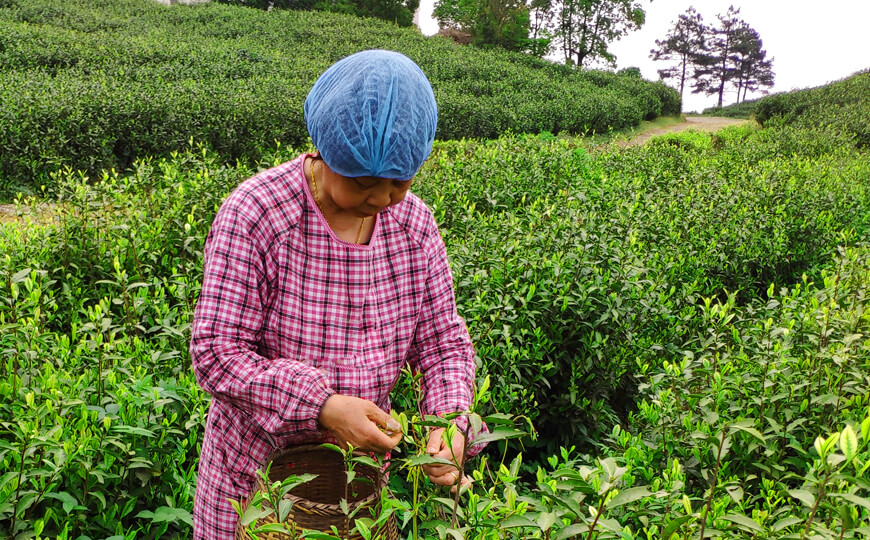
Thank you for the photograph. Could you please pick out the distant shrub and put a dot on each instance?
(744, 109)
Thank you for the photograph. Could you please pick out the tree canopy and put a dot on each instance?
(680, 46)
(584, 29)
(715, 57)
(581, 29)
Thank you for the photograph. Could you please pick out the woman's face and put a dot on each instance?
(361, 196)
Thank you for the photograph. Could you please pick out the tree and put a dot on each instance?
(540, 20)
(683, 45)
(504, 23)
(715, 65)
(752, 69)
(585, 28)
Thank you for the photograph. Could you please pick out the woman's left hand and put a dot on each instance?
(442, 474)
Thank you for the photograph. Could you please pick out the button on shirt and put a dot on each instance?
(289, 314)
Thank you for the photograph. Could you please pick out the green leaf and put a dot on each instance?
(20, 276)
(499, 418)
(627, 496)
(456, 534)
(6, 478)
(416, 461)
(284, 507)
(854, 499)
(434, 421)
(167, 514)
(252, 514)
(70, 503)
(752, 431)
(517, 521)
(786, 522)
(743, 522)
(314, 535)
(803, 496)
(545, 520)
(498, 434)
(271, 528)
(366, 460)
(848, 442)
(132, 430)
(865, 430)
(571, 531)
(674, 525)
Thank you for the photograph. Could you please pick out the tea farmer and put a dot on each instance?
(323, 276)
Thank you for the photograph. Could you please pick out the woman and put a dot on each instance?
(323, 277)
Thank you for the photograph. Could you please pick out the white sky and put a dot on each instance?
(811, 43)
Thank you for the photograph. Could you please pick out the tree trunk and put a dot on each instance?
(683, 79)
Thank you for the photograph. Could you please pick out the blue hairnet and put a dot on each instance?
(372, 114)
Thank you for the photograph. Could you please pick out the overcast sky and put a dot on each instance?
(811, 43)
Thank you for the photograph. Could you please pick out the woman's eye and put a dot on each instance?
(365, 184)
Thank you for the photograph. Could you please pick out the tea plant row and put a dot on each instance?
(619, 299)
(93, 85)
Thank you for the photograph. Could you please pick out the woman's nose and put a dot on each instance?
(381, 196)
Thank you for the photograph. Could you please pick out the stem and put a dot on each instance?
(713, 485)
(458, 484)
(416, 479)
(817, 503)
(597, 515)
(24, 446)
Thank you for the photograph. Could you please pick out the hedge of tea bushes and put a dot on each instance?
(93, 85)
(571, 266)
(602, 288)
(839, 107)
(744, 109)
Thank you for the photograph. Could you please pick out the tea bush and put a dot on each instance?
(744, 109)
(843, 106)
(93, 85)
(620, 299)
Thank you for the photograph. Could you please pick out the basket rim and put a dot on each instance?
(302, 501)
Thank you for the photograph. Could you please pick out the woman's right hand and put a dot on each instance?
(360, 423)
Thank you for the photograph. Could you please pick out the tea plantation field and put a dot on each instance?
(679, 331)
(93, 85)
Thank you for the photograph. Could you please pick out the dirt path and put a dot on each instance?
(697, 123)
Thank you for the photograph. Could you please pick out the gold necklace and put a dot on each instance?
(362, 221)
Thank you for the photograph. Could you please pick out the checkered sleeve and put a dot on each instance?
(442, 349)
(281, 395)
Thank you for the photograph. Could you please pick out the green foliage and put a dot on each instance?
(744, 109)
(395, 11)
(93, 85)
(840, 107)
(684, 323)
(585, 29)
(503, 23)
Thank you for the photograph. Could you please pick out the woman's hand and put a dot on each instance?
(446, 475)
(360, 423)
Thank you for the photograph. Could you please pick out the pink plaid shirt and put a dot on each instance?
(289, 314)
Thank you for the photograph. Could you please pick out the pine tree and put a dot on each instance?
(752, 68)
(715, 66)
(683, 45)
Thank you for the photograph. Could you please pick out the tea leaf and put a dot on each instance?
(627, 496)
(744, 523)
(848, 443)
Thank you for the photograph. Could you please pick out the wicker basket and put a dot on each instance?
(316, 503)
